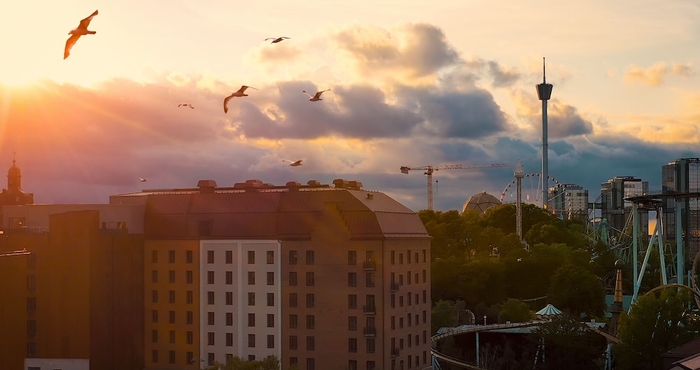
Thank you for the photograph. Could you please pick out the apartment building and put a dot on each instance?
(680, 188)
(616, 210)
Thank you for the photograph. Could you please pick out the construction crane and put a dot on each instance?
(21, 252)
(430, 169)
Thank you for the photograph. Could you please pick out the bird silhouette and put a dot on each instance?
(142, 179)
(186, 105)
(315, 97)
(237, 94)
(293, 163)
(276, 39)
(77, 32)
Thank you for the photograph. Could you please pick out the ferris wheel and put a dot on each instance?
(531, 188)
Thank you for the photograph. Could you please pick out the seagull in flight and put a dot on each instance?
(317, 96)
(239, 93)
(142, 179)
(293, 163)
(186, 105)
(77, 32)
(277, 39)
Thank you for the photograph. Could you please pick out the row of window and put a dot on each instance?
(228, 256)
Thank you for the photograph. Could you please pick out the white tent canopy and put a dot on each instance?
(548, 311)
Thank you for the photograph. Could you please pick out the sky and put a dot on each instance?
(412, 83)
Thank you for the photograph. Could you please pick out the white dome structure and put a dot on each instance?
(480, 202)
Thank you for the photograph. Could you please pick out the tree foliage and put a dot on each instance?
(566, 343)
(515, 310)
(237, 363)
(578, 291)
(655, 324)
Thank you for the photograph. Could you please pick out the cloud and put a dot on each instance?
(412, 51)
(502, 77)
(563, 120)
(655, 74)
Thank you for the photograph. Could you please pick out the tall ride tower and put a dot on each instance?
(544, 92)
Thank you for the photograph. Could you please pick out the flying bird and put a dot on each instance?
(142, 179)
(239, 93)
(186, 105)
(77, 32)
(317, 96)
(293, 163)
(276, 39)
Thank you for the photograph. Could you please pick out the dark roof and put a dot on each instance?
(255, 210)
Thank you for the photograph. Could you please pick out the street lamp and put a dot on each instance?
(484, 320)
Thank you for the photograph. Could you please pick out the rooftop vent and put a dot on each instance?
(370, 196)
(313, 183)
(293, 185)
(206, 186)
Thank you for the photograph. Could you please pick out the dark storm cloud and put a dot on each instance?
(564, 121)
(502, 77)
(419, 48)
(471, 114)
(359, 112)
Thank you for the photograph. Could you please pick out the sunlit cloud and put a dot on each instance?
(655, 74)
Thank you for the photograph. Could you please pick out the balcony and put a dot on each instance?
(369, 265)
(394, 352)
(370, 331)
(369, 309)
(394, 287)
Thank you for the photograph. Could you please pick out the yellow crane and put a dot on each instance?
(430, 169)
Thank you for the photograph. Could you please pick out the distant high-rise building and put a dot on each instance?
(569, 201)
(682, 177)
(616, 209)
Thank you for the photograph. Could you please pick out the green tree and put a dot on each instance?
(577, 290)
(655, 325)
(445, 314)
(515, 310)
(237, 363)
(568, 344)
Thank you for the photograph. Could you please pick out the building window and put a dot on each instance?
(408, 278)
(293, 361)
(309, 257)
(270, 260)
(31, 305)
(393, 301)
(251, 257)
(270, 320)
(400, 258)
(171, 276)
(154, 316)
(369, 279)
(416, 257)
(251, 298)
(171, 256)
(229, 339)
(270, 299)
(251, 340)
(190, 337)
(293, 342)
(210, 277)
(393, 257)
(293, 257)
(154, 356)
(171, 317)
(229, 257)
(251, 277)
(310, 321)
(293, 321)
(154, 296)
(270, 341)
(425, 255)
(189, 256)
(190, 317)
(352, 301)
(352, 323)
(424, 317)
(270, 278)
(172, 337)
(292, 278)
(393, 322)
(310, 300)
(210, 359)
(292, 300)
(171, 296)
(210, 297)
(154, 276)
(370, 345)
(229, 319)
(425, 296)
(210, 338)
(229, 298)
(189, 278)
(210, 256)
(425, 278)
(310, 279)
(408, 256)
(352, 365)
(229, 277)
(210, 318)
(352, 279)
(154, 336)
(154, 256)
(310, 343)
(352, 258)
(370, 365)
(251, 319)
(352, 345)
(31, 328)
(190, 297)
